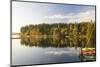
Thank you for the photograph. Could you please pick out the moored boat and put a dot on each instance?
(88, 51)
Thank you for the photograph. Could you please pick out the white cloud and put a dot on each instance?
(83, 16)
(72, 17)
(58, 16)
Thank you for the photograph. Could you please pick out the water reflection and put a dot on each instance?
(78, 44)
(57, 42)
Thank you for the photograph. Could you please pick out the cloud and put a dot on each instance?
(83, 16)
(58, 16)
(78, 17)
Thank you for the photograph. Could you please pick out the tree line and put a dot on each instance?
(75, 32)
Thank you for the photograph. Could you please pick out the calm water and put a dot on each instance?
(31, 52)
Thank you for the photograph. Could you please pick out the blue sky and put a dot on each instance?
(25, 13)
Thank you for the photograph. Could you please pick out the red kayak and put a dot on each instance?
(86, 52)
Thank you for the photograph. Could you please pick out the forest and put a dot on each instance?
(80, 34)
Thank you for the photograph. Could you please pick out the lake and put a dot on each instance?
(32, 52)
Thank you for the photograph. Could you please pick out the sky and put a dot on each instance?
(25, 13)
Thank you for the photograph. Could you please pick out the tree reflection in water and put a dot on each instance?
(56, 42)
(59, 42)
